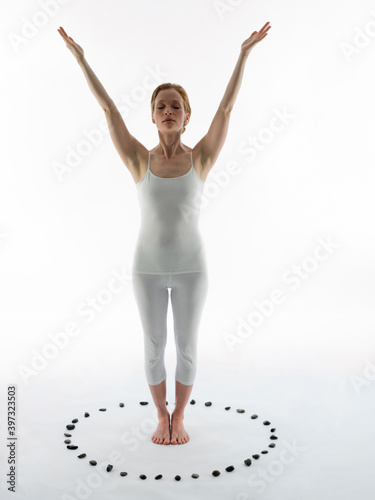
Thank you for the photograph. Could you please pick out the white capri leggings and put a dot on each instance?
(188, 296)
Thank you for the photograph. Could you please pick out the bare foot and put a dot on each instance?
(162, 433)
(178, 433)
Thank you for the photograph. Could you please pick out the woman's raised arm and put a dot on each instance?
(128, 147)
(95, 86)
(209, 147)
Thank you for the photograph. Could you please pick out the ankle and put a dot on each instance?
(163, 415)
(178, 415)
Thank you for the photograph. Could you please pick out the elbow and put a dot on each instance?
(227, 108)
(109, 106)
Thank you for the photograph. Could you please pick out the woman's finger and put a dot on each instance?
(265, 26)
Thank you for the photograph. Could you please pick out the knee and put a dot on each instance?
(155, 342)
(154, 354)
(186, 347)
(186, 370)
(187, 357)
(155, 367)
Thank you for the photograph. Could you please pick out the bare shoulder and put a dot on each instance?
(131, 151)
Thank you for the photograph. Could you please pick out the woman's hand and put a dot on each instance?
(255, 38)
(74, 48)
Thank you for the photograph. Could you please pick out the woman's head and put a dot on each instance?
(170, 99)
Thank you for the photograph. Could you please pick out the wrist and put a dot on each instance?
(244, 54)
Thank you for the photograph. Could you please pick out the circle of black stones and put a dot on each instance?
(215, 472)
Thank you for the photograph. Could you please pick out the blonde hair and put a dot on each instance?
(179, 89)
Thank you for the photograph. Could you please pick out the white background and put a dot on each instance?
(302, 199)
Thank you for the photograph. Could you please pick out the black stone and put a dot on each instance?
(216, 473)
(75, 421)
(82, 455)
(273, 437)
(87, 415)
(240, 410)
(92, 462)
(123, 474)
(273, 429)
(121, 405)
(192, 402)
(143, 403)
(227, 407)
(247, 461)
(254, 416)
(208, 403)
(272, 445)
(256, 456)
(109, 467)
(67, 441)
(177, 478)
(72, 447)
(195, 476)
(67, 435)
(142, 476)
(229, 468)
(264, 452)
(70, 427)
(102, 409)
(159, 476)
(266, 422)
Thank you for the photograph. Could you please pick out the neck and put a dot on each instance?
(170, 145)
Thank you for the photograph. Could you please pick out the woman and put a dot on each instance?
(169, 252)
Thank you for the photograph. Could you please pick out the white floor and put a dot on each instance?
(325, 445)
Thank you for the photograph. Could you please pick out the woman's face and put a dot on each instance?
(169, 113)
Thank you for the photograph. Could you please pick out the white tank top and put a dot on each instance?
(169, 239)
